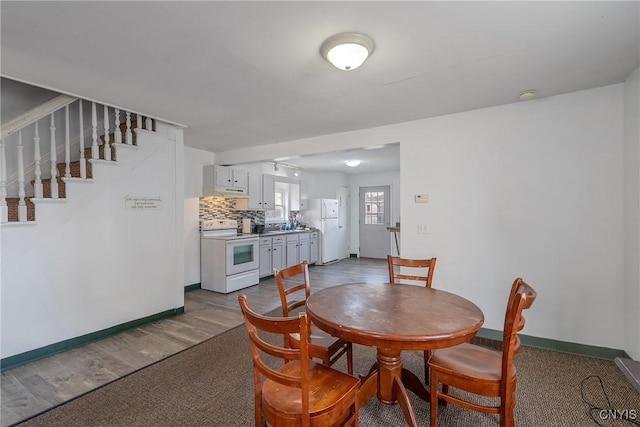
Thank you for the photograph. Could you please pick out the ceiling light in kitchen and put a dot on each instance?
(527, 95)
(353, 163)
(347, 51)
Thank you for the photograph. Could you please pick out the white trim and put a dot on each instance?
(90, 100)
(35, 114)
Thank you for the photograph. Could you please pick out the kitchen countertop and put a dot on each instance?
(278, 232)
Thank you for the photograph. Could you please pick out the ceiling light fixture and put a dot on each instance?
(347, 51)
(527, 95)
(353, 163)
(296, 173)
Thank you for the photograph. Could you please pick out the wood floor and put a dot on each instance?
(37, 386)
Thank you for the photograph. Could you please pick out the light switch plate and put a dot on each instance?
(421, 198)
(423, 229)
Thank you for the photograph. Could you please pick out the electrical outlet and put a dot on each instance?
(423, 229)
(421, 198)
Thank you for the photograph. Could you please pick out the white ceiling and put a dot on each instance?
(241, 74)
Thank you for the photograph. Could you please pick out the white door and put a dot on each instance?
(343, 222)
(375, 218)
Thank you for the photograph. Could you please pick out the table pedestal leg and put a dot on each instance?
(390, 387)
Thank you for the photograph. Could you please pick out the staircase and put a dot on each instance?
(18, 200)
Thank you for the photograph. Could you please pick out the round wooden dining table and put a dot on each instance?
(393, 318)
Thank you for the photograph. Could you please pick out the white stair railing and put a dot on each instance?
(16, 191)
(37, 185)
(54, 161)
(4, 209)
(107, 144)
(22, 206)
(83, 162)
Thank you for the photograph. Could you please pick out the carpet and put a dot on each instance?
(210, 384)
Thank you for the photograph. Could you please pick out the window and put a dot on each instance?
(280, 213)
(374, 208)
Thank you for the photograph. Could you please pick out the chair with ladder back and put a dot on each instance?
(299, 392)
(480, 370)
(293, 296)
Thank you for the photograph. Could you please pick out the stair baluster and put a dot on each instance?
(67, 144)
(37, 184)
(55, 189)
(83, 162)
(117, 135)
(4, 209)
(54, 160)
(107, 146)
(95, 150)
(22, 206)
(127, 135)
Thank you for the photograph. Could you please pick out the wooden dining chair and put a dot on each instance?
(480, 370)
(300, 392)
(292, 296)
(423, 272)
(422, 269)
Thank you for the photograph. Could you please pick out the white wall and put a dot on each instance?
(194, 160)
(89, 263)
(365, 180)
(529, 189)
(632, 216)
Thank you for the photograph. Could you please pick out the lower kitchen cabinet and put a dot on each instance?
(304, 249)
(314, 249)
(272, 255)
(278, 255)
(298, 248)
(266, 257)
(292, 250)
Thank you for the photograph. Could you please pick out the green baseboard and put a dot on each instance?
(192, 287)
(38, 353)
(555, 345)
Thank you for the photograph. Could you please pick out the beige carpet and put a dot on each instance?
(211, 385)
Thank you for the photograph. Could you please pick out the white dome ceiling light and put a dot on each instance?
(527, 95)
(347, 51)
(353, 163)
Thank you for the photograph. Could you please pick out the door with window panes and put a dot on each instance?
(375, 217)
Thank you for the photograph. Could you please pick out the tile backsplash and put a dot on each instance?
(225, 208)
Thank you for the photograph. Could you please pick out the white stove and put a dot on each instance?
(224, 229)
(229, 261)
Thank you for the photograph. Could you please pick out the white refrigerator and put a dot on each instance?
(323, 215)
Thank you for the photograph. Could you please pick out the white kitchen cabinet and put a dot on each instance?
(261, 190)
(298, 248)
(292, 249)
(314, 253)
(272, 255)
(268, 192)
(304, 248)
(229, 177)
(266, 258)
(304, 194)
(278, 253)
(294, 190)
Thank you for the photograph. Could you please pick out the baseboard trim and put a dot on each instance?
(193, 287)
(555, 345)
(51, 349)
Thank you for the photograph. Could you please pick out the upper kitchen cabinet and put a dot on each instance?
(225, 181)
(261, 193)
(295, 196)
